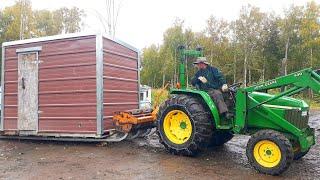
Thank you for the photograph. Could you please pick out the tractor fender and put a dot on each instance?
(203, 96)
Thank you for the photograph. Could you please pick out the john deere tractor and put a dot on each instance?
(189, 121)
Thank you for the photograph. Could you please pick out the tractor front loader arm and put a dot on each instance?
(306, 78)
(247, 103)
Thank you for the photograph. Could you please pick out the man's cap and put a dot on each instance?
(201, 60)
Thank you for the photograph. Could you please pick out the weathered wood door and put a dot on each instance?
(28, 92)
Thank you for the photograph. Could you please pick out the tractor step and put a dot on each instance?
(224, 127)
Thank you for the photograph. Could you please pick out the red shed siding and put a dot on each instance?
(120, 79)
(10, 89)
(67, 85)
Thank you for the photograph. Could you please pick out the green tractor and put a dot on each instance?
(189, 122)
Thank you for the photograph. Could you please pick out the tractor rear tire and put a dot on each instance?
(269, 152)
(220, 138)
(184, 125)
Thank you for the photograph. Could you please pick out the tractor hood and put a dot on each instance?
(282, 102)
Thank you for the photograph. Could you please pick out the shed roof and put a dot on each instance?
(65, 36)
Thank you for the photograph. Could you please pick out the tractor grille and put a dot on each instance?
(295, 117)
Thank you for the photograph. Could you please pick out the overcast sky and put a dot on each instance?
(142, 22)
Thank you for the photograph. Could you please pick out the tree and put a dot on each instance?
(113, 10)
(17, 21)
(252, 48)
(217, 30)
(45, 24)
(310, 30)
(21, 22)
(218, 49)
(68, 20)
(164, 66)
(289, 28)
(247, 31)
(151, 64)
(271, 49)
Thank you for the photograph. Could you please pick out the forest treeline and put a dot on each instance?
(254, 47)
(20, 21)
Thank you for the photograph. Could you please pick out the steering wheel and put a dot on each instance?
(235, 86)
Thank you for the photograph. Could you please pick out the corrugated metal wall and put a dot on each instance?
(120, 79)
(67, 85)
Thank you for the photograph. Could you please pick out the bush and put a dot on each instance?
(159, 95)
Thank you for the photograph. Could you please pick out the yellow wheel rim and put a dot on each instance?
(177, 126)
(267, 153)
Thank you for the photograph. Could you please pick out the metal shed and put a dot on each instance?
(67, 85)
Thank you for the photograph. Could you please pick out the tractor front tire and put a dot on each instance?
(184, 125)
(269, 152)
(297, 154)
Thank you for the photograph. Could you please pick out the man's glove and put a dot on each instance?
(203, 79)
(224, 88)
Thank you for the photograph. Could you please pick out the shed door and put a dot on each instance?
(28, 91)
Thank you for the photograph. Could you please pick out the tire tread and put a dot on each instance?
(202, 121)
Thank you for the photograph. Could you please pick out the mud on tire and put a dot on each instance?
(297, 154)
(202, 126)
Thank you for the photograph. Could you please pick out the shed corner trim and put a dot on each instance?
(99, 84)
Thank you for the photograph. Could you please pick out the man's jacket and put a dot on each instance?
(213, 75)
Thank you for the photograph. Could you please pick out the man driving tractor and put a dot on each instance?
(210, 79)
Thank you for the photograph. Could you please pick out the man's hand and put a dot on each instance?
(224, 88)
(203, 79)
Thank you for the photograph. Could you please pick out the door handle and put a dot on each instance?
(23, 83)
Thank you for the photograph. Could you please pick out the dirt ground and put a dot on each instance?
(140, 159)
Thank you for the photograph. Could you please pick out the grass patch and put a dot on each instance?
(314, 105)
(159, 95)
